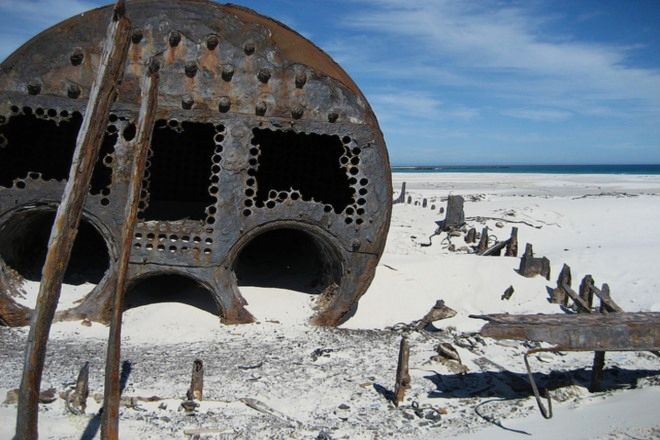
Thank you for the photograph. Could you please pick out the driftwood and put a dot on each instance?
(198, 432)
(196, 390)
(531, 266)
(76, 400)
(507, 293)
(483, 241)
(45, 396)
(67, 218)
(447, 351)
(512, 244)
(402, 372)
(140, 145)
(438, 311)
(402, 195)
(260, 406)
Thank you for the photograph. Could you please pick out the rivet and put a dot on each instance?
(355, 244)
(174, 38)
(260, 109)
(249, 48)
(297, 112)
(227, 72)
(187, 102)
(136, 37)
(264, 75)
(301, 79)
(34, 88)
(191, 69)
(73, 91)
(332, 117)
(77, 57)
(212, 42)
(224, 104)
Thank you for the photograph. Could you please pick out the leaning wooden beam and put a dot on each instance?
(495, 249)
(512, 245)
(67, 219)
(607, 303)
(638, 331)
(581, 304)
(140, 147)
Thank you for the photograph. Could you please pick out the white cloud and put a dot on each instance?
(539, 115)
(509, 52)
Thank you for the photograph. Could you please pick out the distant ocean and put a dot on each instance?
(535, 169)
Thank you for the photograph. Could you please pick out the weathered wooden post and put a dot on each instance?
(141, 144)
(531, 266)
(67, 219)
(455, 216)
(512, 245)
(402, 195)
(483, 241)
(559, 295)
(471, 235)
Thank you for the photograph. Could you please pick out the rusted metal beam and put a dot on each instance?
(580, 332)
(141, 144)
(68, 218)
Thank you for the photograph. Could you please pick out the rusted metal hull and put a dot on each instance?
(282, 137)
(580, 332)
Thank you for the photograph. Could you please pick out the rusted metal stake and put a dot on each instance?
(402, 372)
(196, 390)
(67, 219)
(141, 144)
(597, 371)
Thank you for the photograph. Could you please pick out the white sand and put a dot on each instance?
(613, 234)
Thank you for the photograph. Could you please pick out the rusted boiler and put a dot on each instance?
(267, 166)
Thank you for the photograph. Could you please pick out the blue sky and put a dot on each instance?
(467, 82)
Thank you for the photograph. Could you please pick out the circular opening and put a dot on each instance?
(170, 288)
(24, 244)
(23, 247)
(288, 259)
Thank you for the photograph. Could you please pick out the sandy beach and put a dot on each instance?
(321, 383)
